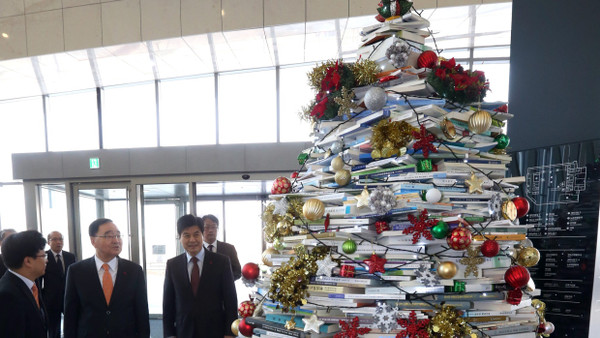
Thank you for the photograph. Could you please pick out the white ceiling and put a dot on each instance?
(226, 51)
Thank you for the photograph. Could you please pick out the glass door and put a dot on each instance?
(93, 201)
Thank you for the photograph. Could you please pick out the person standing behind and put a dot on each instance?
(53, 281)
(211, 228)
(22, 313)
(106, 295)
(199, 295)
(3, 235)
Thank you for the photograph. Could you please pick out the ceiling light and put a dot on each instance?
(5, 35)
(222, 12)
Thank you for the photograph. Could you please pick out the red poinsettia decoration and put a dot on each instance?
(423, 142)
(502, 109)
(452, 82)
(420, 226)
(375, 263)
(414, 328)
(350, 329)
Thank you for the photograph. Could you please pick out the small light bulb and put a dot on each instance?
(5, 35)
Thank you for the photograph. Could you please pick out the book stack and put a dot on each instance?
(391, 241)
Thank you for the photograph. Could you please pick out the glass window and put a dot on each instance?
(187, 112)
(244, 231)
(53, 211)
(497, 74)
(247, 107)
(21, 131)
(294, 93)
(163, 205)
(12, 207)
(129, 116)
(72, 121)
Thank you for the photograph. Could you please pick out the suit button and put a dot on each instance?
(107, 312)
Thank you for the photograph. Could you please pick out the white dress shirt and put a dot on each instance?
(113, 266)
(214, 244)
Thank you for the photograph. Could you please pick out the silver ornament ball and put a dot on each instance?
(375, 98)
(337, 147)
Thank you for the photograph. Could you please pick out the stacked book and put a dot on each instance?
(412, 238)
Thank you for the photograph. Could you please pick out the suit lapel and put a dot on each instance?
(181, 274)
(207, 267)
(95, 285)
(27, 292)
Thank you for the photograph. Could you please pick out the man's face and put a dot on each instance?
(55, 239)
(108, 242)
(191, 239)
(39, 263)
(210, 231)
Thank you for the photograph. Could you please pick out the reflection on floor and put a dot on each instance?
(156, 329)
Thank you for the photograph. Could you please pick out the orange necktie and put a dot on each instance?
(107, 283)
(35, 294)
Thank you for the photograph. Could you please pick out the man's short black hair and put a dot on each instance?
(187, 221)
(95, 225)
(212, 218)
(20, 245)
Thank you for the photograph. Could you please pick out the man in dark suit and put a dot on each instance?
(22, 313)
(106, 295)
(211, 228)
(3, 235)
(199, 295)
(53, 281)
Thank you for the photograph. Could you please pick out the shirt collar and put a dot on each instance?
(112, 264)
(200, 255)
(56, 253)
(214, 244)
(25, 280)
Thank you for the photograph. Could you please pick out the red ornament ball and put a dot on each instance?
(490, 248)
(459, 239)
(516, 276)
(427, 59)
(246, 309)
(281, 185)
(250, 271)
(245, 328)
(522, 206)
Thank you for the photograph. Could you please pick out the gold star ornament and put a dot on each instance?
(475, 184)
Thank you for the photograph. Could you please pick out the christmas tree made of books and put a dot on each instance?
(401, 222)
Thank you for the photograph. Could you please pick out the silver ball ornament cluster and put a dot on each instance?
(382, 200)
(398, 53)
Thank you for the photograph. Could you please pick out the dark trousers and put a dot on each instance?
(54, 323)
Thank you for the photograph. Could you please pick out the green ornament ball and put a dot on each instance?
(440, 230)
(502, 140)
(349, 246)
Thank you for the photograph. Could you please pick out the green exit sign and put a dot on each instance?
(94, 163)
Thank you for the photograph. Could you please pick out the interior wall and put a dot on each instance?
(554, 76)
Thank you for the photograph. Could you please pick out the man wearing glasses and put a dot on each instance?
(105, 294)
(22, 311)
(53, 282)
(211, 228)
(199, 298)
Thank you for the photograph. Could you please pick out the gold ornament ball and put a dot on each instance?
(337, 163)
(266, 256)
(447, 270)
(342, 177)
(235, 327)
(313, 209)
(480, 121)
(528, 257)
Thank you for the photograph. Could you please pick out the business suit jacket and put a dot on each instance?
(53, 282)
(214, 308)
(19, 314)
(229, 251)
(86, 312)
(3, 268)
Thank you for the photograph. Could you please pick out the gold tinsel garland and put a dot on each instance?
(346, 102)
(365, 72)
(316, 76)
(448, 323)
(277, 226)
(289, 283)
(390, 137)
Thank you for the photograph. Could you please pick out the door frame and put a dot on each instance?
(75, 232)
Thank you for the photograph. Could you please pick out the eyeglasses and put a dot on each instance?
(44, 255)
(211, 227)
(57, 239)
(110, 236)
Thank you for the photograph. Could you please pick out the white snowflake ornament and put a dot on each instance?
(385, 317)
